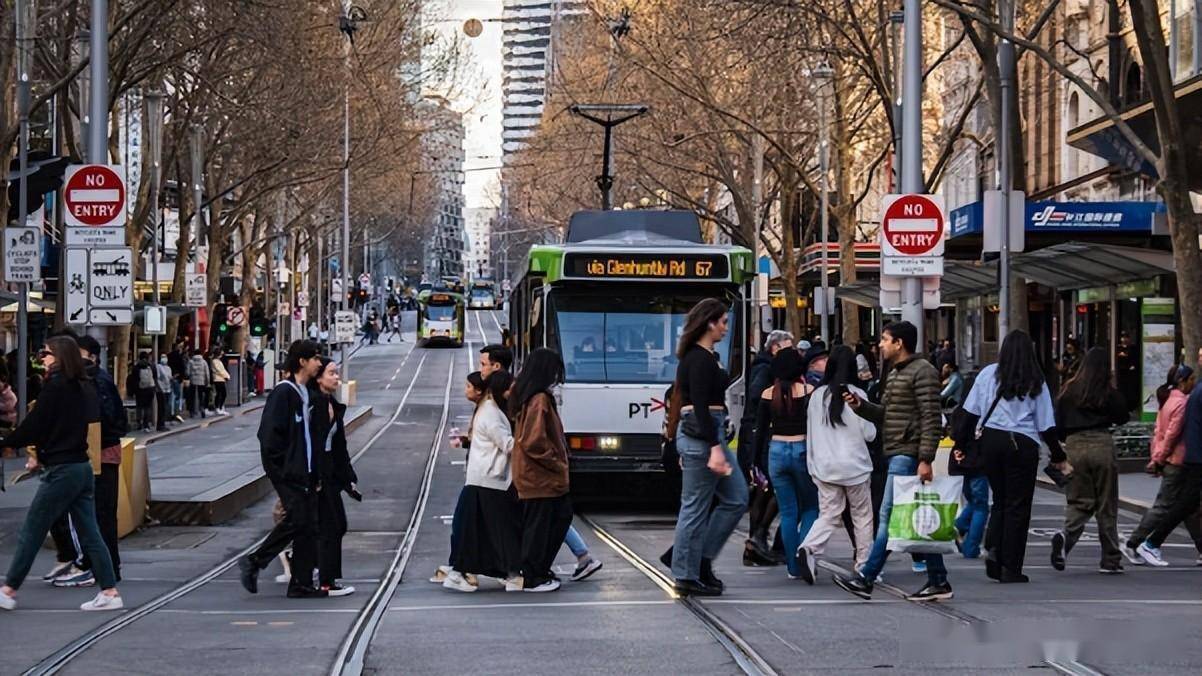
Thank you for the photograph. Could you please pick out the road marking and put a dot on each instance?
(547, 604)
(794, 602)
(244, 623)
(280, 624)
(281, 611)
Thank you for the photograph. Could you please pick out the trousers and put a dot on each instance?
(545, 523)
(1010, 463)
(298, 527)
(1093, 492)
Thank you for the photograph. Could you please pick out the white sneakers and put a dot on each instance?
(517, 583)
(7, 602)
(548, 586)
(1151, 555)
(1131, 554)
(103, 602)
(440, 575)
(58, 570)
(457, 582)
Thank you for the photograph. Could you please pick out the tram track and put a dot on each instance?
(63, 657)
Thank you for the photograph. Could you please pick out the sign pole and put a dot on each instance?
(23, 27)
(911, 169)
(1006, 67)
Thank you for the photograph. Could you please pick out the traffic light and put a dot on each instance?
(220, 319)
(45, 175)
(258, 323)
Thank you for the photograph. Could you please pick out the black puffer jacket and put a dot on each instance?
(909, 413)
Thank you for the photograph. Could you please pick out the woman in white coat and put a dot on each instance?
(839, 462)
(490, 539)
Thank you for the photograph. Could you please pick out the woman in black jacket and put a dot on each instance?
(337, 475)
(1088, 406)
(58, 427)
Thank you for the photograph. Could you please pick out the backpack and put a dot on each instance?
(145, 378)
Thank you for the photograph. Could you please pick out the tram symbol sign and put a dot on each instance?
(913, 230)
(94, 195)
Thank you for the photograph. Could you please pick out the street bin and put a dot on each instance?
(235, 387)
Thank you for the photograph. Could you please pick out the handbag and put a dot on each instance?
(668, 455)
(970, 445)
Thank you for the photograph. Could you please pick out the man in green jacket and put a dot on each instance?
(911, 427)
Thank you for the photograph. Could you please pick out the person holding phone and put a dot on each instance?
(707, 465)
(337, 475)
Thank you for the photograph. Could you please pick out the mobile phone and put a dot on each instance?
(841, 389)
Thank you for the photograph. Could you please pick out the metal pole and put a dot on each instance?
(824, 167)
(606, 181)
(201, 238)
(98, 117)
(154, 141)
(1006, 68)
(321, 261)
(757, 199)
(345, 262)
(896, 18)
(24, 28)
(911, 174)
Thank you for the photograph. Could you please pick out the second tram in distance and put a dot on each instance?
(440, 318)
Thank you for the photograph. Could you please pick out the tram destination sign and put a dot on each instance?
(713, 266)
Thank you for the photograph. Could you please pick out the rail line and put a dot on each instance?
(749, 661)
(55, 662)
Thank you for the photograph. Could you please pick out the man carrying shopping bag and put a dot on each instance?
(911, 422)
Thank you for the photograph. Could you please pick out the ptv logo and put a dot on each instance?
(647, 408)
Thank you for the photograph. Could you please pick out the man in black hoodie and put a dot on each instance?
(290, 460)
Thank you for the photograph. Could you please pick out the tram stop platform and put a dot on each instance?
(209, 475)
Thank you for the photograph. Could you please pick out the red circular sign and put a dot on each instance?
(94, 195)
(913, 225)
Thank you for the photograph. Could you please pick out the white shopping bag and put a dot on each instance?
(924, 514)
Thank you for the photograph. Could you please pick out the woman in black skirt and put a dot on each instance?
(490, 540)
(336, 475)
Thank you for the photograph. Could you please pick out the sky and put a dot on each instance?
(478, 95)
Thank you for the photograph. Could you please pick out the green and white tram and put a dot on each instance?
(612, 300)
(440, 318)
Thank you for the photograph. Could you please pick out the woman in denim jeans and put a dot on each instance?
(781, 428)
(707, 465)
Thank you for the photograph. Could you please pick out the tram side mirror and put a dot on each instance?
(767, 325)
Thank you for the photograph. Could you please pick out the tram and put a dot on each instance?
(482, 295)
(612, 300)
(440, 318)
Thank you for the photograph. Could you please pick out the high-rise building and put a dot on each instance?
(528, 61)
(444, 157)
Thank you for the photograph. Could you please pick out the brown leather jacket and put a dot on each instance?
(540, 454)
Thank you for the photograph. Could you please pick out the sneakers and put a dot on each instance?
(249, 575)
(75, 578)
(707, 576)
(695, 588)
(457, 582)
(1058, 550)
(337, 590)
(932, 592)
(1115, 569)
(1199, 561)
(548, 586)
(58, 570)
(7, 602)
(440, 575)
(807, 564)
(515, 583)
(303, 592)
(584, 570)
(103, 602)
(857, 586)
(283, 578)
(1132, 555)
(919, 566)
(1151, 554)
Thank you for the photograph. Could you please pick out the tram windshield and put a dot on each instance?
(482, 294)
(624, 337)
(440, 312)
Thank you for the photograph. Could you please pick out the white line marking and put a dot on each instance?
(548, 604)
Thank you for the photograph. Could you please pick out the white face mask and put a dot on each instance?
(557, 394)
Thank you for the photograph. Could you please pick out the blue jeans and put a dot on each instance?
(975, 514)
(899, 465)
(177, 397)
(575, 542)
(64, 489)
(701, 533)
(796, 495)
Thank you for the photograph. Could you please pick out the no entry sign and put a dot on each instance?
(913, 229)
(94, 195)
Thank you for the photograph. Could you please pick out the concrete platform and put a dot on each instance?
(216, 485)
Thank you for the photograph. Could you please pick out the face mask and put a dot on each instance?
(163, 361)
(557, 394)
(813, 378)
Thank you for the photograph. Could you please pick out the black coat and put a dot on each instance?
(282, 442)
(58, 423)
(335, 466)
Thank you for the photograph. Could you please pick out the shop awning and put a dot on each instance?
(966, 279)
(865, 293)
(1101, 137)
(1076, 265)
(9, 301)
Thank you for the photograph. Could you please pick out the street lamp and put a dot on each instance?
(823, 75)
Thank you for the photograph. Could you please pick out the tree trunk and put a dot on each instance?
(788, 255)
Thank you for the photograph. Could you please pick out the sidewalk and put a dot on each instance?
(1137, 491)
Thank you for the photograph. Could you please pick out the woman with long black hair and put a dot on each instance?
(58, 428)
(1012, 407)
(540, 468)
(707, 465)
(781, 437)
(490, 536)
(1088, 406)
(337, 475)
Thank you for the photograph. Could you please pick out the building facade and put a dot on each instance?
(444, 157)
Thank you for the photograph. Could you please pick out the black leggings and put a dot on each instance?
(219, 395)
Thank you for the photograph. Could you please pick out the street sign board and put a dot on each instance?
(235, 315)
(115, 316)
(345, 323)
(992, 217)
(76, 305)
(196, 291)
(94, 195)
(913, 230)
(22, 254)
(111, 279)
(302, 299)
(336, 286)
(154, 320)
